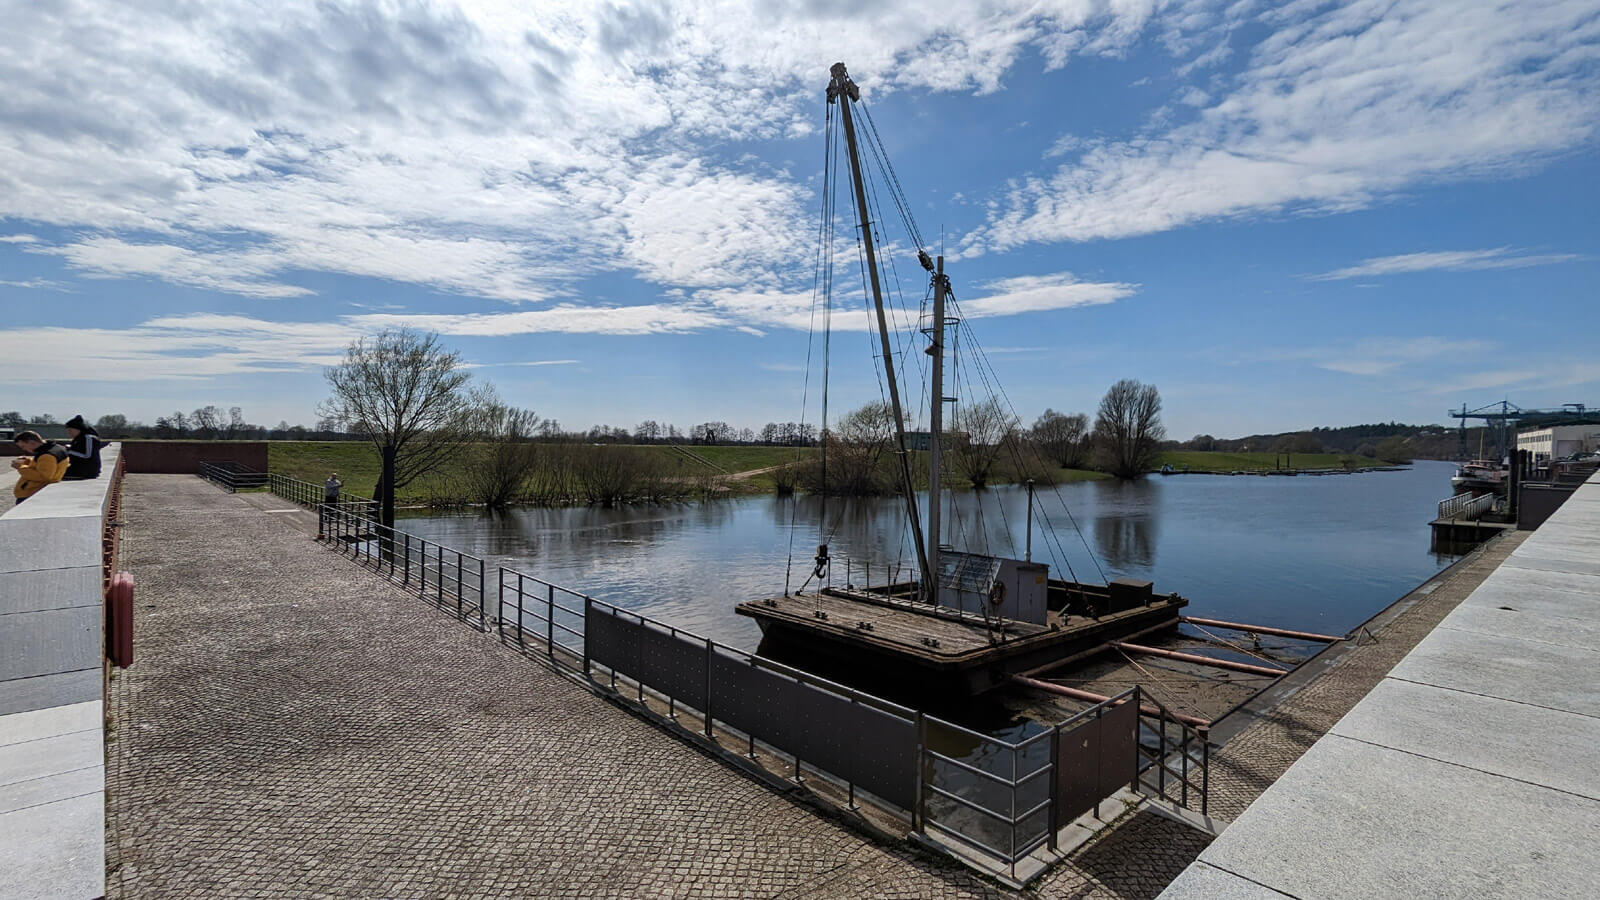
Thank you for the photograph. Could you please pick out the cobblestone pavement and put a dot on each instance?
(1261, 753)
(296, 727)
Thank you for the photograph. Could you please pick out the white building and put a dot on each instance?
(1559, 441)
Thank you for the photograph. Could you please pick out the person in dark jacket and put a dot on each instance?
(43, 463)
(84, 450)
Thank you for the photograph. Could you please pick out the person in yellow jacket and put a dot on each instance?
(45, 463)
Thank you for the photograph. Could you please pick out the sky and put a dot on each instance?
(1281, 214)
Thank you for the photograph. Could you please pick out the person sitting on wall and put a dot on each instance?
(84, 450)
(45, 462)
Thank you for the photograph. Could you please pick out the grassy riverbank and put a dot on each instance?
(733, 470)
(1211, 461)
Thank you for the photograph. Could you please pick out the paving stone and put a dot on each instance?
(296, 726)
(1205, 882)
(1516, 740)
(1508, 667)
(1440, 827)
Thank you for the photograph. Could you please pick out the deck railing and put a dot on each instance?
(230, 476)
(1000, 800)
(1466, 506)
(448, 578)
(308, 494)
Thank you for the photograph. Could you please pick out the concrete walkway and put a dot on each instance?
(1471, 770)
(296, 726)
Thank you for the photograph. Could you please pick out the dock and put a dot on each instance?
(1472, 769)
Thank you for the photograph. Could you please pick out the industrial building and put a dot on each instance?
(1559, 441)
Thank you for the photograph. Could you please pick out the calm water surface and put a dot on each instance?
(1314, 553)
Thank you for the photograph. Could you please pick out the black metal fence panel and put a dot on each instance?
(1095, 757)
(1119, 747)
(670, 663)
(870, 747)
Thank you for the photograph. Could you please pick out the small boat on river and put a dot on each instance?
(1480, 476)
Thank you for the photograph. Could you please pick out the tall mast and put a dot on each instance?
(941, 285)
(842, 89)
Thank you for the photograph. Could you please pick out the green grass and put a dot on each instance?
(358, 465)
(1213, 461)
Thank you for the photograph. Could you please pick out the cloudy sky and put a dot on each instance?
(1282, 214)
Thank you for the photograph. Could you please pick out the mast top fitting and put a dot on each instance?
(841, 84)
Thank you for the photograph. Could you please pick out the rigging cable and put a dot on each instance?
(821, 281)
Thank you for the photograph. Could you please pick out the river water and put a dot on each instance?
(1312, 553)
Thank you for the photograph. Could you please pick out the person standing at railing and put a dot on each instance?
(44, 462)
(331, 488)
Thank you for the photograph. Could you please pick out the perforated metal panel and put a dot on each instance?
(1119, 748)
(872, 748)
(1095, 757)
(672, 664)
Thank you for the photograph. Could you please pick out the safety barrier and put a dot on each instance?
(306, 493)
(1001, 799)
(230, 476)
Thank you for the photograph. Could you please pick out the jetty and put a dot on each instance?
(1472, 769)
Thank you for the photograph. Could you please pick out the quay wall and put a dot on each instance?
(181, 457)
(1474, 758)
(52, 739)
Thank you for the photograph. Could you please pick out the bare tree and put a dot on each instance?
(1063, 439)
(987, 424)
(410, 397)
(206, 421)
(498, 474)
(850, 453)
(1128, 429)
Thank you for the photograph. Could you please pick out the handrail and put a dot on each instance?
(448, 578)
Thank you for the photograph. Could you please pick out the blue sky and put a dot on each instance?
(1283, 215)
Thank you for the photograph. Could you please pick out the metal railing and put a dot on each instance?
(448, 578)
(1466, 506)
(1001, 799)
(308, 494)
(1174, 779)
(230, 476)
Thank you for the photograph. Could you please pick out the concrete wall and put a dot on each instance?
(1536, 502)
(181, 457)
(52, 747)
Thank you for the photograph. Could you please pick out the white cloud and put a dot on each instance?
(1447, 260)
(649, 318)
(17, 239)
(1375, 356)
(1337, 108)
(491, 149)
(236, 272)
(1036, 293)
(177, 348)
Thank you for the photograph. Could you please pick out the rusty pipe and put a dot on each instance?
(1280, 632)
(1092, 651)
(1195, 658)
(1076, 694)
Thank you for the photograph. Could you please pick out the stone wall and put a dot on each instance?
(52, 742)
(181, 457)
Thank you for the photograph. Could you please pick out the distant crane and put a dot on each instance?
(1502, 417)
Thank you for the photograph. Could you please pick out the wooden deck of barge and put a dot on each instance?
(881, 637)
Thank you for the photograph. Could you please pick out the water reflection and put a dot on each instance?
(1320, 554)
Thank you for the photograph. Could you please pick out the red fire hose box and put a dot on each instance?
(119, 642)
